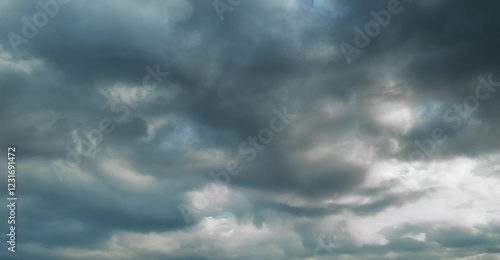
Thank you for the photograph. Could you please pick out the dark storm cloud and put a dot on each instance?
(225, 79)
(452, 45)
(380, 203)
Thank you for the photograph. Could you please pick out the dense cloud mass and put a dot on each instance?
(252, 129)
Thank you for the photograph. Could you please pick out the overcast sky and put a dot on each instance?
(252, 129)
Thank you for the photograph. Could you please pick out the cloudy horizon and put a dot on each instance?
(251, 129)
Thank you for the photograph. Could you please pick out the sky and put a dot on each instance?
(251, 129)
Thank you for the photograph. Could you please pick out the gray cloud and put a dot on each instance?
(334, 167)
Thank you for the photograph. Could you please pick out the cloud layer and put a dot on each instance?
(154, 130)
